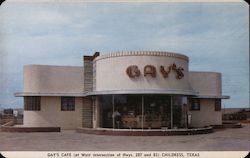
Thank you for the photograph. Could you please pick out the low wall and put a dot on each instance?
(128, 132)
(228, 124)
(9, 127)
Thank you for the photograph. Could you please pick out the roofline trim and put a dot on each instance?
(142, 53)
(212, 96)
(24, 94)
(173, 92)
(84, 94)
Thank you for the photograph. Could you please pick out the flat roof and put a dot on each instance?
(23, 94)
(141, 53)
(115, 92)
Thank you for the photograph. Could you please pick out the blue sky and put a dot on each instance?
(215, 36)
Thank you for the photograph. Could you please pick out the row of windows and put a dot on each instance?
(195, 105)
(68, 104)
(34, 103)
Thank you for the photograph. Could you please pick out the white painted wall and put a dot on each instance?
(111, 73)
(53, 79)
(207, 114)
(52, 116)
(206, 83)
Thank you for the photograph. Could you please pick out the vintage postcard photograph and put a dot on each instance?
(145, 79)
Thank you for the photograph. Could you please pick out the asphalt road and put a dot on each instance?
(222, 140)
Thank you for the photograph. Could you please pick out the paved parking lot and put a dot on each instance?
(221, 140)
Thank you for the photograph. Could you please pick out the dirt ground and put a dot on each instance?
(68, 140)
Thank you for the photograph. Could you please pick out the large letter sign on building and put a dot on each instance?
(179, 73)
(149, 70)
(133, 71)
(164, 72)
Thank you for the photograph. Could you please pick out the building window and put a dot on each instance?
(217, 106)
(195, 104)
(67, 103)
(32, 103)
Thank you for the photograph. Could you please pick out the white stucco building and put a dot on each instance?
(122, 90)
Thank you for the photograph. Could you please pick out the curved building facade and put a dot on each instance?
(122, 90)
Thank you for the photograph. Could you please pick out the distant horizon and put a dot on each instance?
(215, 37)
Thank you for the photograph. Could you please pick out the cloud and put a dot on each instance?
(214, 36)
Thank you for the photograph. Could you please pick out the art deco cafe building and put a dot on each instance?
(144, 90)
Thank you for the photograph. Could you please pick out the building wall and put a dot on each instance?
(87, 113)
(88, 73)
(52, 116)
(206, 83)
(206, 115)
(111, 72)
(53, 79)
(97, 117)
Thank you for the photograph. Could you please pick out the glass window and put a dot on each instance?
(106, 111)
(217, 105)
(157, 111)
(67, 103)
(32, 103)
(179, 112)
(128, 111)
(142, 111)
(195, 104)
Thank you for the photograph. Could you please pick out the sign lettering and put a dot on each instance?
(133, 71)
(149, 70)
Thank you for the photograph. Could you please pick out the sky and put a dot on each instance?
(215, 36)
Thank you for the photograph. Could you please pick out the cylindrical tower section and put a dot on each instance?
(143, 71)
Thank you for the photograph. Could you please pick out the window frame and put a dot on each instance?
(193, 101)
(67, 103)
(32, 103)
(217, 105)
